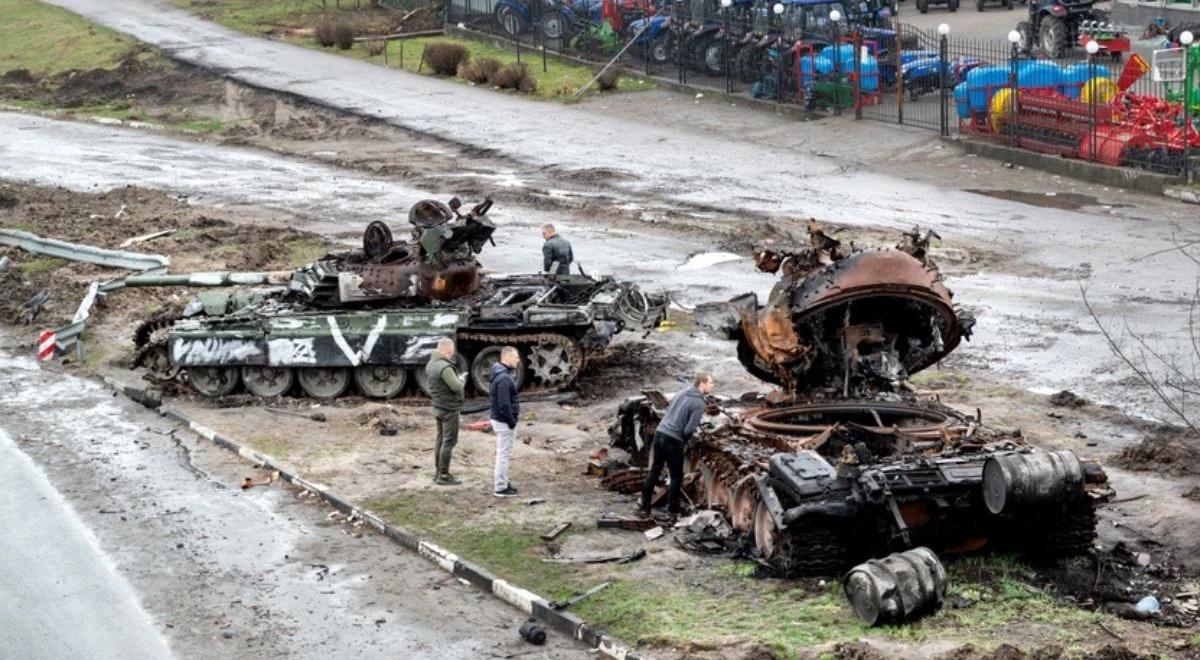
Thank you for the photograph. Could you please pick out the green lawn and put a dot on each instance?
(280, 17)
(47, 40)
(727, 603)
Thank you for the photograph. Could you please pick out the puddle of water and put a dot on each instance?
(708, 260)
(1049, 200)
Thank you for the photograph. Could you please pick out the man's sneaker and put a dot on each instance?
(447, 480)
(507, 492)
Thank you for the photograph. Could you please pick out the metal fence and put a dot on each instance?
(818, 57)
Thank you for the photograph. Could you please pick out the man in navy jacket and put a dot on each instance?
(505, 410)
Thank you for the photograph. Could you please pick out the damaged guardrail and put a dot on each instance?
(85, 253)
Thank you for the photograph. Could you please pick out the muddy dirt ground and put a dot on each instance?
(1153, 468)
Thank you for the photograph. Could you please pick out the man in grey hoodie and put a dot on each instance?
(674, 431)
(556, 252)
(446, 394)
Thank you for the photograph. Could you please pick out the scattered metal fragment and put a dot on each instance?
(316, 417)
(532, 632)
(3, 262)
(562, 605)
(550, 534)
(85, 253)
(536, 500)
(654, 533)
(610, 521)
(32, 307)
(145, 237)
(900, 587)
(249, 482)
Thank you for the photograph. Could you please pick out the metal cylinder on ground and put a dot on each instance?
(1014, 480)
(900, 587)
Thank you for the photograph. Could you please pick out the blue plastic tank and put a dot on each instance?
(1032, 75)
(1074, 77)
(961, 105)
(868, 70)
(981, 83)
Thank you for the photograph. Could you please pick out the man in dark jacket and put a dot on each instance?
(505, 410)
(556, 252)
(446, 394)
(677, 427)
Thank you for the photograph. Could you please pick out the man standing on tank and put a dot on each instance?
(677, 427)
(556, 252)
(446, 387)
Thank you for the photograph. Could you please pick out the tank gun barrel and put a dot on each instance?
(214, 279)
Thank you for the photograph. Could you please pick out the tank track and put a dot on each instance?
(148, 343)
(1071, 533)
(811, 552)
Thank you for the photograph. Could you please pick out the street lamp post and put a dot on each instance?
(834, 17)
(1092, 48)
(725, 5)
(1014, 38)
(943, 65)
(778, 9)
(1185, 39)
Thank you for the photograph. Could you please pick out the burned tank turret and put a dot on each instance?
(373, 315)
(846, 462)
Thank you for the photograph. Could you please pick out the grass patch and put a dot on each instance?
(938, 379)
(39, 265)
(282, 17)
(306, 250)
(506, 548)
(47, 40)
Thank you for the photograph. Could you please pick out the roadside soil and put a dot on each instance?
(1155, 513)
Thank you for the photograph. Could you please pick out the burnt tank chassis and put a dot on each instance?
(372, 316)
(846, 462)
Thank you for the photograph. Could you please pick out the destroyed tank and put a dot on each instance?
(845, 462)
(372, 316)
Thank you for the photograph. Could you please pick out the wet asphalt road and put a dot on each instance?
(101, 499)
(1030, 312)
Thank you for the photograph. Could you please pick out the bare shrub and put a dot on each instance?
(515, 76)
(343, 35)
(608, 80)
(444, 58)
(479, 71)
(323, 33)
(375, 47)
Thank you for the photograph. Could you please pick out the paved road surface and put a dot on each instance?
(135, 510)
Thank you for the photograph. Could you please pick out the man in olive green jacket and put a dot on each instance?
(446, 393)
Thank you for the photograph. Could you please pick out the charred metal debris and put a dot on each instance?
(845, 463)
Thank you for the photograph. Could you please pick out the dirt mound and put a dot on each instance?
(1171, 450)
(17, 77)
(383, 416)
(1193, 494)
(856, 651)
(625, 364)
(1116, 653)
(135, 81)
(8, 197)
(1067, 399)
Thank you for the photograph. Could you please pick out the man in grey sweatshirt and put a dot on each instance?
(674, 431)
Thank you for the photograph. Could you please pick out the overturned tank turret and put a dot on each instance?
(372, 316)
(846, 462)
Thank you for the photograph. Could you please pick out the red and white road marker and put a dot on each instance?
(46, 342)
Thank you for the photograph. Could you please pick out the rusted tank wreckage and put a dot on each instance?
(846, 462)
(373, 315)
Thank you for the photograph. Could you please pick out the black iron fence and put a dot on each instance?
(1094, 107)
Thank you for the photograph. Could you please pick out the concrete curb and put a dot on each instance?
(520, 598)
(1117, 177)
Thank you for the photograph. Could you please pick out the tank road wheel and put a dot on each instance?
(324, 382)
(419, 373)
(268, 381)
(213, 381)
(380, 381)
(552, 364)
(481, 369)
